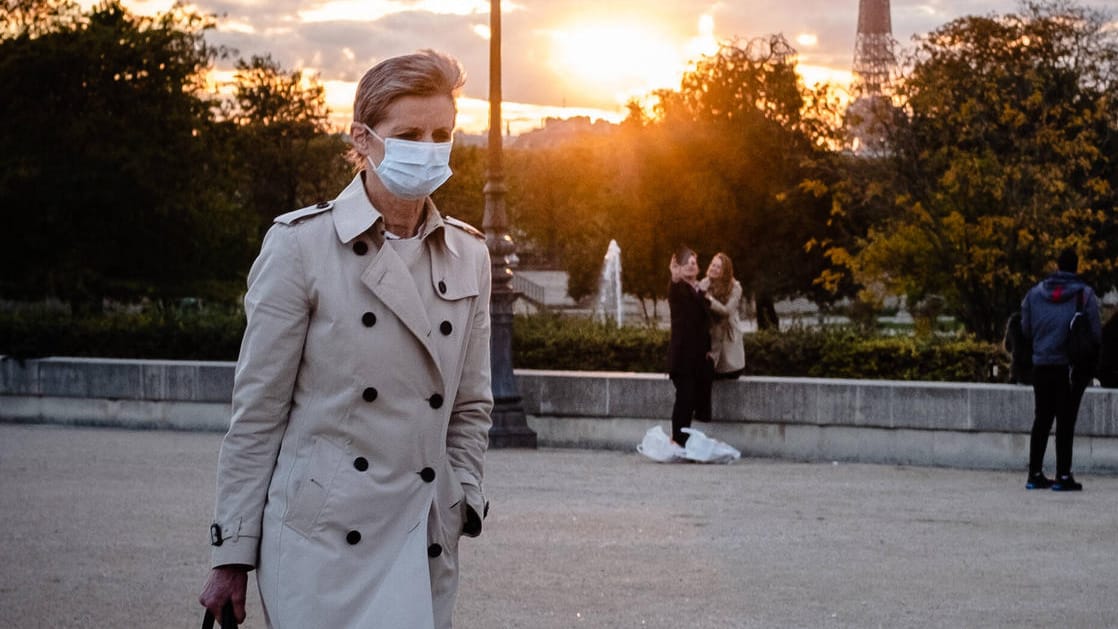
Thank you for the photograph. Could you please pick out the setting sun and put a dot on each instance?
(617, 60)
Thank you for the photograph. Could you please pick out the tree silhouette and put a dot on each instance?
(287, 158)
(106, 154)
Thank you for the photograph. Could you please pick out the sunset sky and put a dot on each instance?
(561, 57)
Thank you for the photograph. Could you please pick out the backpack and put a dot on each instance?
(1081, 347)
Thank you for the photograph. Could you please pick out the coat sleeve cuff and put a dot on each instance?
(241, 550)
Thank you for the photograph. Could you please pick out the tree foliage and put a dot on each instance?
(122, 174)
(104, 150)
(741, 160)
(287, 157)
(567, 203)
(1003, 154)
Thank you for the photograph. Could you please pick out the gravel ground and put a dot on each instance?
(107, 528)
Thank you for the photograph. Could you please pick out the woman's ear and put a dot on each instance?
(362, 139)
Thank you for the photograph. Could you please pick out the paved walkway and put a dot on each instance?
(107, 528)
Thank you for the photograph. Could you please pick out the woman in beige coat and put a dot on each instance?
(361, 402)
(724, 294)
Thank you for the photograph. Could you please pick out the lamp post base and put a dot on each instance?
(510, 428)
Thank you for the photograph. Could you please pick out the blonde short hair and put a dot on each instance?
(424, 73)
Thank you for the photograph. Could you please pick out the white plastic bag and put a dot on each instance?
(704, 449)
(657, 446)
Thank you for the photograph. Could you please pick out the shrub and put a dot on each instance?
(951, 359)
(190, 333)
(552, 342)
(547, 341)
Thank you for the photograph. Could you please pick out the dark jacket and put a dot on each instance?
(1047, 310)
(690, 340)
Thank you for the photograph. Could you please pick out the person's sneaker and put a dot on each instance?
(1038, 481)
(1066, 483)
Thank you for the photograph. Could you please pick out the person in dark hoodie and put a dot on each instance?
(1046, 313)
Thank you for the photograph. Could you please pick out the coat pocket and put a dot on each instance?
(304, 511)
(448, 510)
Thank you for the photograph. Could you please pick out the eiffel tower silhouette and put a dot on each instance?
(874, 56)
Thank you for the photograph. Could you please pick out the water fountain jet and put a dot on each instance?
(609, 285)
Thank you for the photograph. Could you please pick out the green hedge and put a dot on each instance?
(539, 342)
(194, 333)
(551, 342)
(580, 344)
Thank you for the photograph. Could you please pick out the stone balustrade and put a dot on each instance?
(875, 421)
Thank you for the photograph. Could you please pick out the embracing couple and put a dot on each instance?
(706, 334)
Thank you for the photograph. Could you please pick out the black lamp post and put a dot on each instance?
(510, 428)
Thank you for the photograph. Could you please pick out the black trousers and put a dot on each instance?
(692, 400)
(1057, 392)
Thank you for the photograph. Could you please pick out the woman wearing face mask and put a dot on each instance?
(361, 401)
(724, 294)
(689, 355)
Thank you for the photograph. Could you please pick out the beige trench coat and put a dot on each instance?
(361, 411)
(726, 330)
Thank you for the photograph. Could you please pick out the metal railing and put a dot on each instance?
(529, 290)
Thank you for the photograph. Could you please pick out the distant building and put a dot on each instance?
(556, 131)
(461, 138)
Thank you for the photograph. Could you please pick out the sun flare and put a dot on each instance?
(622, 59)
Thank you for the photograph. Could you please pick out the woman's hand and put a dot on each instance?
(226, 583)
(673, 266)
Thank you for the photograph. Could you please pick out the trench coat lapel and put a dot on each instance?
(387, 276)
(391, 281)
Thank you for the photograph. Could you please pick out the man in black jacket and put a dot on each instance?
(689, 361)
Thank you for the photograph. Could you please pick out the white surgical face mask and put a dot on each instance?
(412, 170)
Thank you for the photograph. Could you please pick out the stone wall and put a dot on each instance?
(879, 421)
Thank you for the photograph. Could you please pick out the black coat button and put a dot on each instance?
(427, 474)
(369, 319)
(435, 401)
(360, 248)
(442, 287)
(323, 204)
(360, 464)
(446, 328)
(353, 537)
(369, 394)
(434, 550)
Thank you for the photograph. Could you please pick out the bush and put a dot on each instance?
(549, 341)
(544, 341)
(794, 352)
(552, 342)
(950, 359)
(171, 333)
